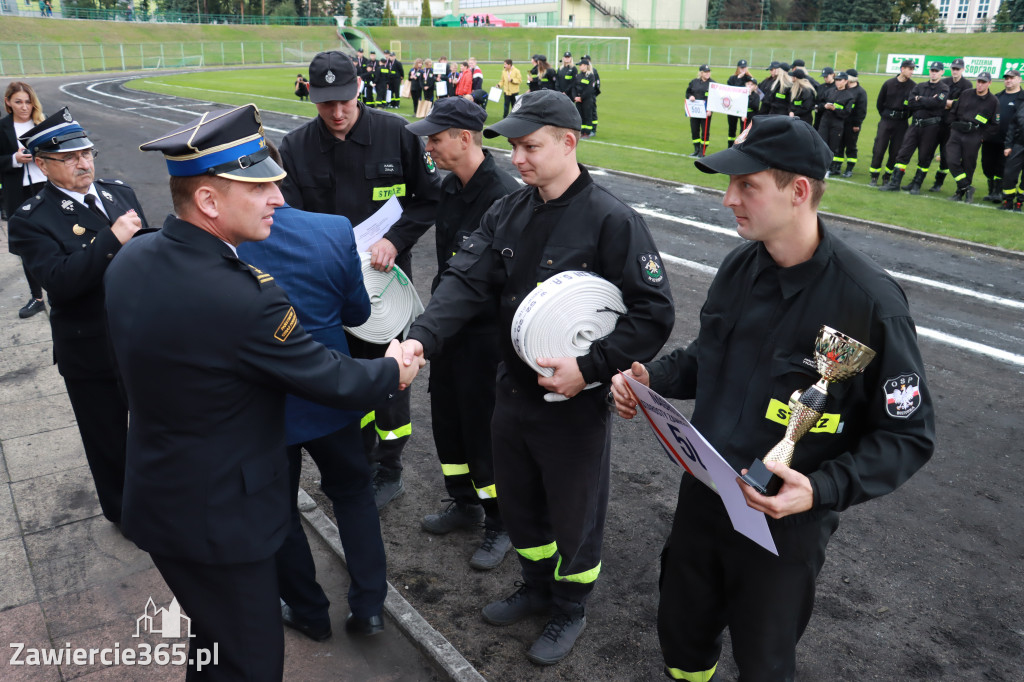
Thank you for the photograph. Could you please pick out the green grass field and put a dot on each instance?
(643, 130)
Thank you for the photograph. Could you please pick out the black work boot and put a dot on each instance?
(969, 194)
(524, 602)
(696, 150)
(456, 515)
(874, 180)
(915, 184)
(1007, 205)
(558, 638)
(848, 173)
(894, 182)
(937, 187)
(995, 191)
(886, 177)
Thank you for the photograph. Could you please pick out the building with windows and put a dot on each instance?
(671, 14)
(967, 16)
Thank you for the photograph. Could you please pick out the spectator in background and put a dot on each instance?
(511, 79)
(464, 84)
(416, 83)
(429, 80)
(302, 88)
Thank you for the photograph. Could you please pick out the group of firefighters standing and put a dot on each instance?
(951, 116)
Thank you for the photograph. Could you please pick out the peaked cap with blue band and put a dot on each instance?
(58, 133)
(229, 144)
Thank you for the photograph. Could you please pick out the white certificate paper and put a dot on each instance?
(696, 109)
(687, 447)
(441, 88)
(376, 226)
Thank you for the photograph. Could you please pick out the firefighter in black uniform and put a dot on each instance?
(837, 108)
(700, 128)
(993, 160)
(566, 75)
(551, 458)
(370, 73)
(534, 81)
(595, 77)
(461, 396)
(382, 85)
(927, 101)
(828, 82)
(957, 85)
(755, 347)
(1013, 150)
(974, 111)
(852, 125)
(363, 65)
(737, 81)
(67, 235)
(584, 93)
(801, 64)
(766, 84)
(776, 93)
(349, 161)
(397, 75)
(802, 97)
(753, 98)
(893, 111)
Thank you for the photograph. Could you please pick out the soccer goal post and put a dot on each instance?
(603, 49)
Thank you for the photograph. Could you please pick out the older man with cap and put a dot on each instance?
(974, 111)
(68, 235)
(551, 458)
(462, 376)
(755, 346)
(927, 102)
(209, 347)
(349, 161)
(893, 108)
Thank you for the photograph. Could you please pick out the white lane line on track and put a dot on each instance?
(927, 333)
(944, 286)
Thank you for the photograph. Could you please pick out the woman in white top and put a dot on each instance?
(20, 177)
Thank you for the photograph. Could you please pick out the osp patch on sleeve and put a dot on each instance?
(428, 163)
(902, 395)
(651, 269)
(287, 325)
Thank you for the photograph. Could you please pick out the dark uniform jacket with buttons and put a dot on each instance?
(892, 101)
(956, 88)
(584, 86)
(564, 79)
(67, 248)
(973, 112)
(877, 428)
(860, 107)
(523, 241)
(378, 159)
(208, 348)
(698, 89)
(459, 216)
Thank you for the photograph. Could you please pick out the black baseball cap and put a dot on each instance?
(785, 67)
(798, 72)
(937, 66)
(741, 63)
(535, 110)
(908, 63)
(773, 65)
(704, 67)
(1012, 73)
(584, 61)
(985, 76)
(827, 70)
(332, 78)
(957, 63)
(842, 76)
(542, 58)
(799, 62)
(781, 142)
(567, 54)
(852, 73)
(450, 112)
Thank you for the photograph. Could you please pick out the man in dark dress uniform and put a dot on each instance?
(209, 347)
(67, 235)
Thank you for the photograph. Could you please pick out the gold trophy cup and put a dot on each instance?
(838, 358)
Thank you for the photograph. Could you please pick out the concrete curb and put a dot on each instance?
(432, 643)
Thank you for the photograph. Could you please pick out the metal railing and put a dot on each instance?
(191, 17)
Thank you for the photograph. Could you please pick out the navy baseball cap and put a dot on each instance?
(908, 63)
(705, 68)
(799, 62)
(59, 132)
(450, 112)
(332, 78)
(841, 76)
(533, 111)
(937, 66)
(985, 76)
(957, 63)
(827, 70)
(228, 143)
(741, 63)
(773, 65)
(781, 142)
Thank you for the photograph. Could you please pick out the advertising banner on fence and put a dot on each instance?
(997, 66)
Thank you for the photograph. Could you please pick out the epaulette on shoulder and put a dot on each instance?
(265, 280)
(30, 205)
(118, 183)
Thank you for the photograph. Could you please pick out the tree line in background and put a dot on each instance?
(855, 15)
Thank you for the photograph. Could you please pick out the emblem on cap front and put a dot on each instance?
(67, 116)
(742, 136)
(329, 77)
(517, 105)
(68, 206)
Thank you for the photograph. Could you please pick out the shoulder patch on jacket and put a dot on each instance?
(651, 268)
(902, 395)
(287, 325)
(263, 278)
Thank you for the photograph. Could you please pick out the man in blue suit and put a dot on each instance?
(314, 259)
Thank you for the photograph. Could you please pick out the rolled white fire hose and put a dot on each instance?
(394, 304)
(562, 317)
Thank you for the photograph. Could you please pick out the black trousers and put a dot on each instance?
(962, 149)
(588, 110)
(700, 130)
(713, 578)
(510, 101)
(888, 139)
(234, 607)
(1012, 171)
(551, 463)
(923, 140)
(944, 132)
(347, 480)
(34, 287)
(848, 144)
(102, 414)
(386, 430)
(735, 122)
(831, 131)
(992, 159)
(462, 386)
